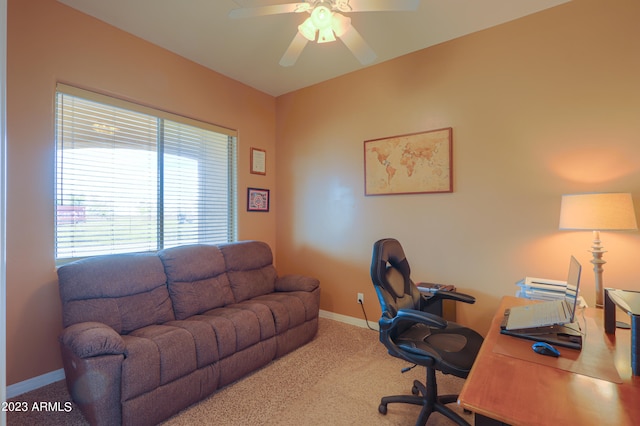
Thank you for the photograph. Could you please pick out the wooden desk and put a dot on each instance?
(507, 389)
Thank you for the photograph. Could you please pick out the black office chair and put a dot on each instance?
(421, 338)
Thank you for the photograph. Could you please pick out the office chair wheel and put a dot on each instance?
(415, 390)
(382, 408)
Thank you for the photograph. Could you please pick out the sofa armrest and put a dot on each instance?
(296, 283)
(89, 339)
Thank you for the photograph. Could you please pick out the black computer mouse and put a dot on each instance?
(545, 349)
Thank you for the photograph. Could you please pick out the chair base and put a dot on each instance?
(426, 396)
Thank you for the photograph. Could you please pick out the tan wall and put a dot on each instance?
(539, 107)
(542, 106)
(49, 42)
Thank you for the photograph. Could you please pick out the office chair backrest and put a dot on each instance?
(391, 276)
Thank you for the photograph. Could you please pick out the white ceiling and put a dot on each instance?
(248, 50)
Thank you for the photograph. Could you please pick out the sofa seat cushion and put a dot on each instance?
(204, 339)
(288, 310)
(156, 355)
(196, 278)
(238, 327)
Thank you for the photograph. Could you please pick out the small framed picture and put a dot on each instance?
(258, 161)
(257, 200)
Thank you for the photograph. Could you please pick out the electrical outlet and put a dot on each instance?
(361, 298)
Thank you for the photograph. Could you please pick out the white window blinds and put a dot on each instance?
(133, 179)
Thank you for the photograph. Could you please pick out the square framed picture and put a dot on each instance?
(257, 200)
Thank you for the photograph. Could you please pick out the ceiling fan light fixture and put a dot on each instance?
(320, 21)
(325, 35)
(308, 29)
(326, 19)
(321, 17)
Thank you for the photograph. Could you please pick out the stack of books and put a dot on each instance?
(541, 288)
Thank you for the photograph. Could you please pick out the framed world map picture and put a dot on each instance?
(415, 163)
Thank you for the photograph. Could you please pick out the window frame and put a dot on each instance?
(160, 116)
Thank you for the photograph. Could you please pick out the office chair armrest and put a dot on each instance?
(451, 295)
(420, 317)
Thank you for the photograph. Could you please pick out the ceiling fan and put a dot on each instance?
(326, 22)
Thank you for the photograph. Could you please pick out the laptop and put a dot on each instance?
(550, 313)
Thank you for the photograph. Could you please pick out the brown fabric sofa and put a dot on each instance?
(146, 335)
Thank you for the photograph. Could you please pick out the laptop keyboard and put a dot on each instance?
(537, 315)
(549, 313)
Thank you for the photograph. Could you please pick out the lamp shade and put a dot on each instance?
(598, 211)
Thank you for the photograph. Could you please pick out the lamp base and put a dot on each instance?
(598, 262)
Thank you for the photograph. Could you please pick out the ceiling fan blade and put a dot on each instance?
(356, 44)
(294, 50)
(250, 12)
(383, 5)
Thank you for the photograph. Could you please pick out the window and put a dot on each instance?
(132, 179)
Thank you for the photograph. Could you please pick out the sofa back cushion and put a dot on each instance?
(124, 291)
(196, 278)
(249, 268)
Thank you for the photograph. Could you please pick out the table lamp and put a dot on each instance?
(598, 212)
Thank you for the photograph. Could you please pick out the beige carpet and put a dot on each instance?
(337, 379)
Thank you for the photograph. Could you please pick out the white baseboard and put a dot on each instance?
(34, 383)
(54, 376)
(349, 320)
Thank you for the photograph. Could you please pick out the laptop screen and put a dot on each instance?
(573, 285)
